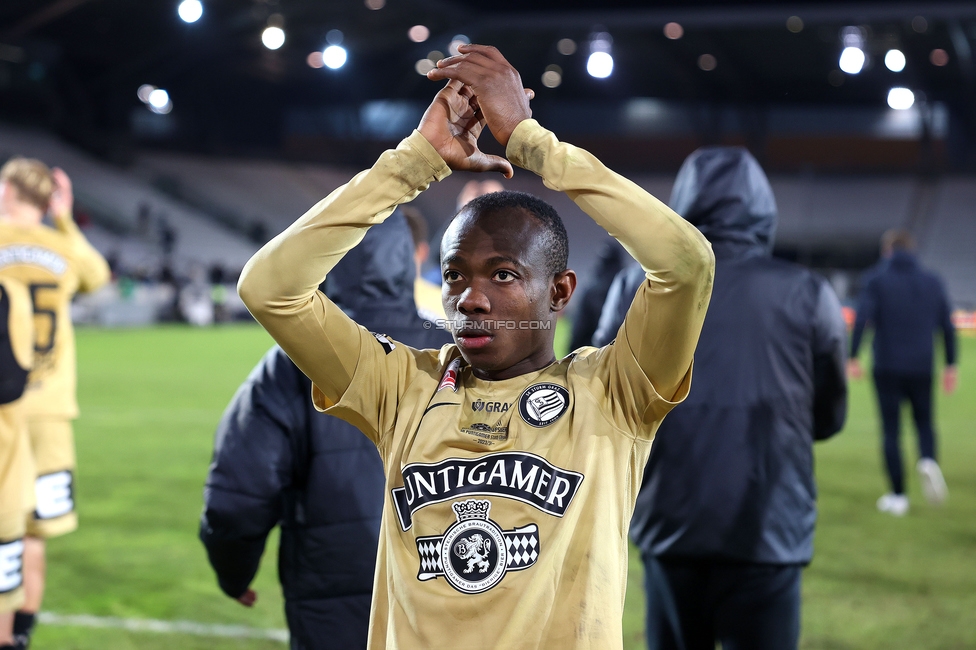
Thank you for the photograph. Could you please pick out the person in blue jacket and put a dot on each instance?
(277, 461)
(725, 515)
(905, 304)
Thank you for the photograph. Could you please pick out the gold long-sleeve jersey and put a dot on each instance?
(507, 502)
(54, 264)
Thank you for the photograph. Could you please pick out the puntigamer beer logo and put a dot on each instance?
(515, 475)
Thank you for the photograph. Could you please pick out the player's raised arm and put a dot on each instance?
(663, 325)
(93, 270)
(279, 284)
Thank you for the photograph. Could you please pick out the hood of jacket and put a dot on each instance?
(724, 193)
(377, 276)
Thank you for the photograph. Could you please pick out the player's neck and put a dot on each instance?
(21, 215)
(530, 364)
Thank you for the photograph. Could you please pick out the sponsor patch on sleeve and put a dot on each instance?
(385, 342)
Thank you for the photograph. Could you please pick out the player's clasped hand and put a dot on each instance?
(483, 88)
(497, 86)
(453, 124)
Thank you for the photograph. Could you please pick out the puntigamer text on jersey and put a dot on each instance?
(515, 475)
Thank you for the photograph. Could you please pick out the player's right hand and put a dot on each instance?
(63, 198)
(496, 85)
(950, 379)
(452, 125)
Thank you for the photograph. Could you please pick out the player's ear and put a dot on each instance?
(562, 288)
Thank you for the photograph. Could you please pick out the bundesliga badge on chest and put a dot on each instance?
(474, 554)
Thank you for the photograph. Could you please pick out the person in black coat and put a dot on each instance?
(905, 304)
(725, 516)
(277, 461)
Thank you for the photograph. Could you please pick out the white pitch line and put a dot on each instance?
(164, 627)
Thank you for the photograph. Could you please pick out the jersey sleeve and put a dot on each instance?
(280, 283)
(384, 370)
(93, 271)
(648, 368)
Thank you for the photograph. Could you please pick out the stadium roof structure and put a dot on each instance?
(76, 65)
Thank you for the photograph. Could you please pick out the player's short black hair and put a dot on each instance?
(556, 241)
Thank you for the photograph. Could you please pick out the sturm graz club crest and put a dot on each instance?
(541, 404)
(474, 554)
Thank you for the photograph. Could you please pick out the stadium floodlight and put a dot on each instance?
(852, 57)
(273, 37)
(419, 33)
(852, 60)
(190, 10)
(600, 63)
(159, 101)
(901, 99)
(895, 60)
(553, 76)
(158, 98)
(334, 57)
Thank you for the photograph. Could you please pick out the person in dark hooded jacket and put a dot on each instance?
(277, 461)
(726, 512)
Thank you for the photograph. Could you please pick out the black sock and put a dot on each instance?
(23, 627)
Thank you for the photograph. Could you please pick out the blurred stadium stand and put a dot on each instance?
(249, 196)
(222, 209)
(948, 239)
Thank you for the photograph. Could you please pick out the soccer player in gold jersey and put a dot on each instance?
(16, 469)
(511, 475)
(54, 264)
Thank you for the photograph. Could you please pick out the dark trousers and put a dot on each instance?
(694, 604)
(892, 390)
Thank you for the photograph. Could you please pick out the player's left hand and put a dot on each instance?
(63, 198)
(453, 124)
(854, 370)
(496, 85)
(950, 379)
(248, 598)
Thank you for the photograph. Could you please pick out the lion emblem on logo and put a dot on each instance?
(475, 550)
(474, 554)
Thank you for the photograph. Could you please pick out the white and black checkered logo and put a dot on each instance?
(541, 404)
(474, 554)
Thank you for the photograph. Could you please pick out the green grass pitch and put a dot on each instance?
(150, 402)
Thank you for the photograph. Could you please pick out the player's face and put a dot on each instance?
(498, 293)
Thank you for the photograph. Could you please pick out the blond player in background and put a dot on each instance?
(16, 469)
(54, 264)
